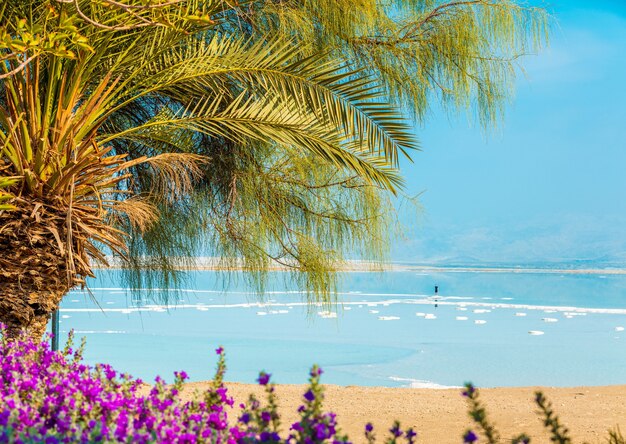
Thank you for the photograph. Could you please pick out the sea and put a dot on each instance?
(489, 327)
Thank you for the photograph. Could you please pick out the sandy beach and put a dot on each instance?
(440, 416)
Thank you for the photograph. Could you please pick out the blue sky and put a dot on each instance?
(550, 183)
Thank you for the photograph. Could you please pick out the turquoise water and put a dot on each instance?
(495, 329)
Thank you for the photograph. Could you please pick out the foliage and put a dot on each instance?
(164, 131)
(558, 432)
(293, 105)
(462, 54)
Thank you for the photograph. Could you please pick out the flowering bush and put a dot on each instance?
(52, 397)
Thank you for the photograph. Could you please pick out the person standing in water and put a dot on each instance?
(436, 295)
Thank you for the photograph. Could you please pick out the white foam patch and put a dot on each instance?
(520, 314)
(549, 311)
(388, 318)
(461, 308)
(480, 322)
(549, 319)
(481, 310)
(419, 314)
(374, 311)
(430, 316)
(461, 318)
(619, 328)
(535, 332)
(202, 308)
(421, 384)
(572, 311)
(331, 314)
(347, 308)
(65, 317)
(261, 313)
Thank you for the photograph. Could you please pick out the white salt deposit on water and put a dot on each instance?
(420, 384)
(549, 311)
(420, 314)
(261, 313)
(347, 308)
(619, 328)
(65, 317)
(480, 321)
(430, 316)
(202, 309)
(549, 319)
(374, 311)
(126, 311)
(461, 308)
(388, 318)
(328, 315)
(461, 318)
(481, 310)
(535, 332)
(520, 314)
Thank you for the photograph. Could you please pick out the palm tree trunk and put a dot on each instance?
(33, 277)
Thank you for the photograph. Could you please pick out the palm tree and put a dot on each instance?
(262, 132)
(115, 120)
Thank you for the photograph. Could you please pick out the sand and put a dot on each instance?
(440, 416)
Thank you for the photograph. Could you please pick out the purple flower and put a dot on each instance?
(410, 434)
(470, 437)
(245, 418)
(469, 390)
(269, 437)
(395, 430)
(316, 371)
(264, 378)
(266, 416)
(219, 350)
(309, 396)
(369, 427)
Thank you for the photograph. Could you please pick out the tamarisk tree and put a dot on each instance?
(265, 133)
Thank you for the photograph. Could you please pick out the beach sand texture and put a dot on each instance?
(440, 416)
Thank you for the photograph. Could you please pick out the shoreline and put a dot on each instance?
(215, 264)
(440, 415)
